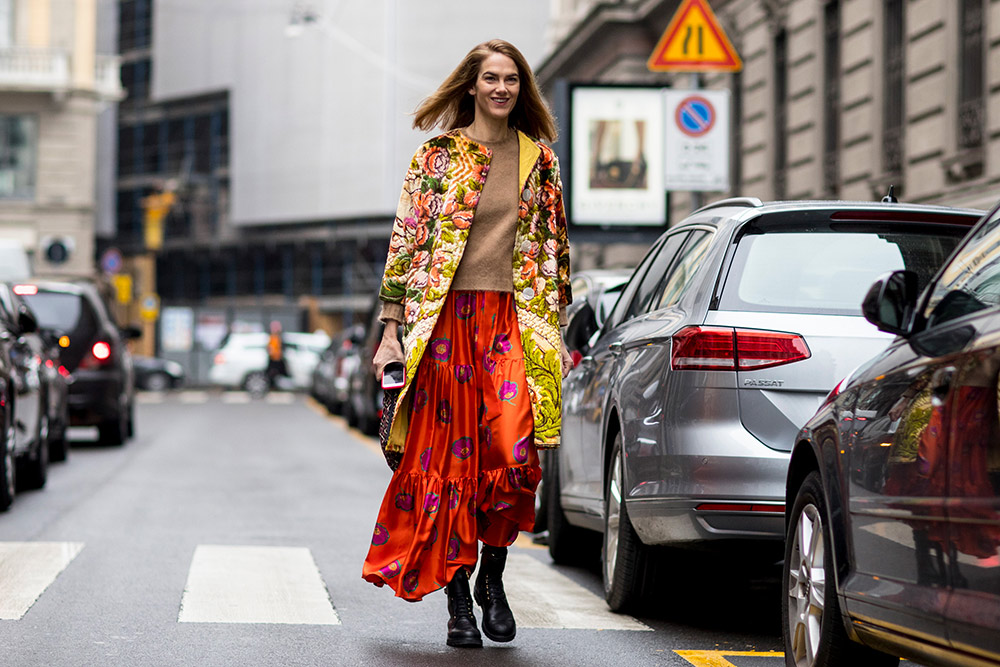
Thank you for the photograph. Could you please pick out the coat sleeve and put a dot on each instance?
(401, 243)
(562, 239)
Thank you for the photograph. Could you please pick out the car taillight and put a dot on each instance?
(25, 290)
(219, 359)
(725, 349)
(100, 354)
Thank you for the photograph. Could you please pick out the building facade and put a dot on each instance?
(282, 131)
(837, 98)
(53, 85)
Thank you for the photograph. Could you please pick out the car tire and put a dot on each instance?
(542, 494)
(811, 624)
(8, 474)
(157, 382)
(58, 445)
(256, 384)
(113, 431)
(624, 558)
(33, 471)
(568, 544)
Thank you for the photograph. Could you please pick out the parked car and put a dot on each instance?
(40, 349)
(25, 461)
(364, 407)
(331, 377)
(598, 289)
(93, 350)
(678, 422)
(893, 528)
(155, 374)
(241, 360)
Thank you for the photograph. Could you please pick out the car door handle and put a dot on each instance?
(615, 348)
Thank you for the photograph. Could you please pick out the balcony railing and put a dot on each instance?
(108, 77)
(48, 70)
(34, 69)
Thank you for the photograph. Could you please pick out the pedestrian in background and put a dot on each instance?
(478, 277)
(276, 366)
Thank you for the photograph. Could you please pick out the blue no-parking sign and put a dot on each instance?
(696, 140)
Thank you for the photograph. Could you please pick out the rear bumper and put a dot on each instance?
(93, 398)
(711, 498)
(678, 521)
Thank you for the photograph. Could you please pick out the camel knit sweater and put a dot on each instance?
(487, 263)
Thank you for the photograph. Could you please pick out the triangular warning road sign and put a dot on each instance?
(694, 42)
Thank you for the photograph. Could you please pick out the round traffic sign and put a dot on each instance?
(695, 116)
(111, 260)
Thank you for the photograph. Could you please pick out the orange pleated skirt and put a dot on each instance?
(470, 466)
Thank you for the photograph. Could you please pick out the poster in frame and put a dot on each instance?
(616, 142)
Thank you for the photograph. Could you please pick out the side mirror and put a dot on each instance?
(131, 332)
(26, 321)
(890, 302)
(582, 325)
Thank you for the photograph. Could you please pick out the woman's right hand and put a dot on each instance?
(389, 350)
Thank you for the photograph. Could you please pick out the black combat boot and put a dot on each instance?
(498, 620)
(462, 630)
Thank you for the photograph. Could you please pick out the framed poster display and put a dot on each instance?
(616, 143)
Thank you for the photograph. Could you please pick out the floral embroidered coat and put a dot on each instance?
(436, 208)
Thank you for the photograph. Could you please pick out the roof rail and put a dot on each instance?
(749, 202)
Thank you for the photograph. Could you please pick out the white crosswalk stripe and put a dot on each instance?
(193, 396)
(541, 597)
(27, 569)
(235, 397)
(250, 584)
(282, 585)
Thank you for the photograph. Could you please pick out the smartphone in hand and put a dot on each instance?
(393, 376)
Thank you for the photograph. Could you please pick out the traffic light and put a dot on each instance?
(157, 206)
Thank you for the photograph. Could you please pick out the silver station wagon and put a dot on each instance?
(678, 421)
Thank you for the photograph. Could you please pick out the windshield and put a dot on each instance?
(60, 312)
(829, 270)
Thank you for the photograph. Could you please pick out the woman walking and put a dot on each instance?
(478, 277)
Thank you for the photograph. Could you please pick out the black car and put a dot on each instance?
(893, 529)
(155, 374)
(93, 350)
(26, 458)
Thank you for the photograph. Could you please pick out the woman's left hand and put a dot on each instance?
(567, 359)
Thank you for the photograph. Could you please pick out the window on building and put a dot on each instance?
(135, 25)
(18, 156)
(831, 103)
(893, 90)
(780, 107)
(6, 23)
(971, 107)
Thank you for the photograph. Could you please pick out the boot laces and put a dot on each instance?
(494, 588)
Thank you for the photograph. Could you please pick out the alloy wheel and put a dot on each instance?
(806, 586)
(613, 520)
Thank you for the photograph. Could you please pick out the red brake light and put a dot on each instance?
(100, 353)
(25, 290)
(764, 349)
(703, 348)
(725, 349)
(219, 359)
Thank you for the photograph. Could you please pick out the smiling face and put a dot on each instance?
(496, 88)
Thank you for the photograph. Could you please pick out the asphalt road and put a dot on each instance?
(232, 532)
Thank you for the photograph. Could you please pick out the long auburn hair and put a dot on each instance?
(451, 105)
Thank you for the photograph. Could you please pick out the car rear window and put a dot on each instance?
(829, 268)
(66, 313)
